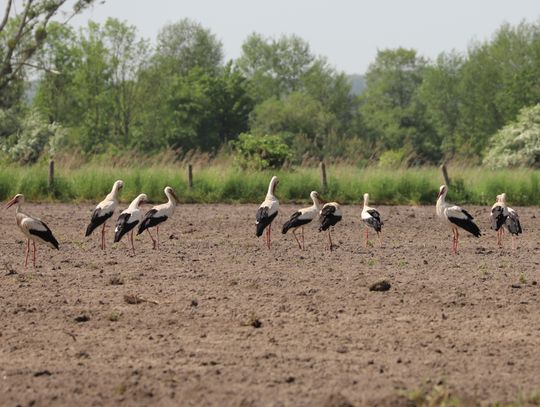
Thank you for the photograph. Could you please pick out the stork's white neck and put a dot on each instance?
(441, 202)
(271, 188)
(172, 201)
(366, 200)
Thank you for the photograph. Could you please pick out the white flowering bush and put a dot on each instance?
(517, 144)
(34, 137)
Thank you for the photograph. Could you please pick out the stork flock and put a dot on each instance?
(328, 214)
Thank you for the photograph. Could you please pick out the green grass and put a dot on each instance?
(220, 183)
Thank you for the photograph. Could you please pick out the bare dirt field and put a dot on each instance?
(229, 323)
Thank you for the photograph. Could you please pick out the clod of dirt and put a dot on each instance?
(82, 318)
(382, 285)
(116, 280)
(516, 285)
(290, 379)
(9, 268)
(42, 373)
(194, 303)
(253, 321)
(136, 299)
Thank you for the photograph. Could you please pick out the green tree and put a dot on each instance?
(59, 56)
(439, 92)
(186, 45)
(23, 30)
(391, 110)
(274, 67)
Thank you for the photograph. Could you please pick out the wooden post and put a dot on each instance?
(324, 182)
(190, 176)
(51, 174)
(445, 174)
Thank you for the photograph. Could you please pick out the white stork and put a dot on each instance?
(157, 215)
(33, 228)
(455, 216)
(329, 216)
(303, 217)
(502, 217)
(267, 212)
(103, 211)
(128, 219)
(371, 218)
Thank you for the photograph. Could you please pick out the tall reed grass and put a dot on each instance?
(222, 183)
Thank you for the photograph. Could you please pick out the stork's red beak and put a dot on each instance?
(175, 197)
(11, 203)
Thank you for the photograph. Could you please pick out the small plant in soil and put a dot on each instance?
(115, 316)
(253, 321)
(522, 279)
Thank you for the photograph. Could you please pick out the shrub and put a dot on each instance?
(517, 144)
(260, 152)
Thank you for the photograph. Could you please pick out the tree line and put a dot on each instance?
(103, 89)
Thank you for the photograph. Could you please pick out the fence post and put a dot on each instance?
(445, 174)
(324, 182)
(51, 174)
(190, 176)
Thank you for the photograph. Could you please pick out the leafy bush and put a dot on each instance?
(34, 137)
(392, 159)
(260, 152)
(518, 143)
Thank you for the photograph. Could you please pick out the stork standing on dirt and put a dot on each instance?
(329, 216)
(455, 216)
(157, 215)
(128, 219)
(502, 217)
(33, 228)
(267, 212)
(103, 211)
(303, 217)
(371, 218)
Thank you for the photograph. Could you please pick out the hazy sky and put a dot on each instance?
(347, 32)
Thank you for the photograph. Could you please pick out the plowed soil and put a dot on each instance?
(215, 318)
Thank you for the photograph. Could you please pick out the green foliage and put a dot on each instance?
(34, 137)
(217, 183)
(185, 45)
(260, 152)
(392, 159)
(391, 109)
(517, 144)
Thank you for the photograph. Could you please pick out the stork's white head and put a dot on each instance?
(316, 198)
(16, 200)
(118, 184)
(273, 184)
(442, 191)
(142, 198)
(170, 194)
(501, 198)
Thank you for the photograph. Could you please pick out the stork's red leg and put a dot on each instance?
(153, 240)
(367, 235)
(157, 236)
(103, 236)
(303, 245)
(131, 239)
(27, 252)
(270, 236)
(34, 256)
(379, 237)
(330, 240)
(297, 241)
